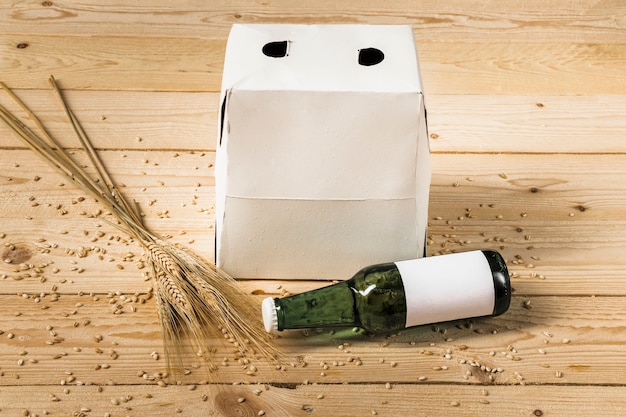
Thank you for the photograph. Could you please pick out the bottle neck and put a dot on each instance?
(331, 306)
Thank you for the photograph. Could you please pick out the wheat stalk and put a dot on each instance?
(196, 301)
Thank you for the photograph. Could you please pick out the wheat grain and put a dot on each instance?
(196, 301)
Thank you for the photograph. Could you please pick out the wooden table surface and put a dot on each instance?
(526, 104)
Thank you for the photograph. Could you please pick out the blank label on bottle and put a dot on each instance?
(443, 288)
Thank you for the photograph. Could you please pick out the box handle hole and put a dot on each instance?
(370, 56)
(276, 49)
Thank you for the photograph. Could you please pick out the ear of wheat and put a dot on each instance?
(197, 302)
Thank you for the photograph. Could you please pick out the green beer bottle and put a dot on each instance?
(396, 295)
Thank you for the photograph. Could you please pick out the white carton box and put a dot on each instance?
(322, 162)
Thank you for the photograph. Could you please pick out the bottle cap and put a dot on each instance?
(270, 318)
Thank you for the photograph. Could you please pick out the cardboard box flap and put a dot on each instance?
(337, 58)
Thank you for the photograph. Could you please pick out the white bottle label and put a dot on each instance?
(443, 288)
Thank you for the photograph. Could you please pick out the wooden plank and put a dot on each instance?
(554, 186)
(541, 211)
(457, 123)
(522, 69)
(194, 64)
(544, 187)
(148, 121)
(551, 340)
(535, 21)
(336, 400)
(113, 63)
(551, 263)
(529, 124)
(556, 255)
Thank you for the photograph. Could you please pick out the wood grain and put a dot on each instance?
(337, 400)
(534, 21)
(536, 338)
(193, 64)
(182, 121)
(527, 124)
